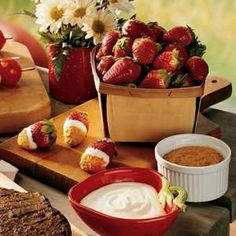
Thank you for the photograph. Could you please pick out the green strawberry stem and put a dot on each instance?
(177, 80)
(49, 128)
(172, 194)
(196, 48)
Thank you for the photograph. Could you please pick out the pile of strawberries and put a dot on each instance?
(148, 56)
(10, 69)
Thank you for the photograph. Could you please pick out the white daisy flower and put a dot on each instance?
(78, 10)
(50, 15)
(120, 5)
(98, 24)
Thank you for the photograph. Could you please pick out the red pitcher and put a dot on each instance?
(75, 84)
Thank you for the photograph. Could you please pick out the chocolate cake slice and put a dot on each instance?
(30, 214)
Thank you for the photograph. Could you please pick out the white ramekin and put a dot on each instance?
(202, 183)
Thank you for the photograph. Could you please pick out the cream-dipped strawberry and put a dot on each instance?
(97, 156)
(41, 134)
(75, 128)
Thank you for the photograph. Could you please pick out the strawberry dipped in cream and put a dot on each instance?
(41, 134)
(97, 156)
(75, 128)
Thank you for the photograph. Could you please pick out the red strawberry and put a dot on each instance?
(10, 70)
(136, 29)
(168, 60)
(105, 64)
(123, 47)
(179, 34)
(123, 70)
(2, 40)
(80, 116)
(156, 79)
(183, 54)
(99, 54)
(109, 41)
(144, 50)
(105, 145)
(157, 31)
(43, 133)
(197, 68)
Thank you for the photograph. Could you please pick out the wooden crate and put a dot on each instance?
(146, 115)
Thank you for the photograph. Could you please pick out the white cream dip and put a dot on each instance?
(129, 200)
(32, 144)
(80, 125)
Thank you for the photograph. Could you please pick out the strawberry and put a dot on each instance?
(157, 31)
(109, 41)
(99, 54)
(144, 50)
(2, 40)
(75, 128)
(123, 47)
(123, 70)
(156, 79)
(183, 54)
(80, 116)
(43, 133)
(105, 64)
(105, 145)
(97, 156)
(136, 29)
(197, 68)
(179, 34)
(168, 60)
(10, 70)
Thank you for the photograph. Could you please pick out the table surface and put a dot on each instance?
(210, 218)
(200, 219)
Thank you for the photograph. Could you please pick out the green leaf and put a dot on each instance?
(47, 37)
(58, 63)
(28, 13)
(196, 48)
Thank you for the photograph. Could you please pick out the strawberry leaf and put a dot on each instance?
(196, 48)
(177, 80)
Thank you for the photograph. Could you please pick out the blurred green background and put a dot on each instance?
(213, 21)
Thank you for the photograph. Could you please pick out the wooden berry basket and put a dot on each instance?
(146, 115)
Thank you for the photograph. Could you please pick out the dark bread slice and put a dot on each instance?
(30, 214)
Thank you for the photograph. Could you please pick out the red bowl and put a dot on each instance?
(107, 225)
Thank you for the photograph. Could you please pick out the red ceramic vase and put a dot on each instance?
(75, 84)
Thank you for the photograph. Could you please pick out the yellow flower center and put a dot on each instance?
(56, 13)
(98, 27)
(80, 12)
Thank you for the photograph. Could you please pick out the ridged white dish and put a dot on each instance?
(202, 183)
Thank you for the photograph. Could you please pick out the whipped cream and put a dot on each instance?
(32, 144)
(128, 200)
(98, 153)
(68, 123)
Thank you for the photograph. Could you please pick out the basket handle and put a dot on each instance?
(217, 89)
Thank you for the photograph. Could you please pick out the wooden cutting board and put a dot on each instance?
(26, 103)
(60, 165)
